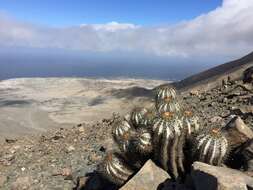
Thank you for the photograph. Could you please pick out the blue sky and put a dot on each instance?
(141, 12)
(203, 31)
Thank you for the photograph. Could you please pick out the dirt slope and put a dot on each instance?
(212, 77)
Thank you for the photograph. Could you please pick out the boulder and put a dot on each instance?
(237, 132)
(247, 152)
(248, 75)
(209, 177)
(148, 178)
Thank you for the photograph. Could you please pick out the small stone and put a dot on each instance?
(79, 125)
(14, 149)
(3, 180)
(66, 172)
(22, 183)
(70, 148)
(225, 100)
(216, 119)
(95, 157)
(81, 129)
(10, 140)
(7, 159)
(23, 169)
(194, 93)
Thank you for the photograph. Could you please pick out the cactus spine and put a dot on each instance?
(115, 169)
(143, 142)
(165, 92)
(148, 118)
(137, 116)
(171, 106)
(168, 143)
(190, 122)
(210, 147)
(120, 128)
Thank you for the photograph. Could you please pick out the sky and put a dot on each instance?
(193, 31)
(65, 13)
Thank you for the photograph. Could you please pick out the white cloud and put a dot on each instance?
(226, 32)
(112, 26)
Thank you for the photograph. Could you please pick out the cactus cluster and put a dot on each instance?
(161, 133)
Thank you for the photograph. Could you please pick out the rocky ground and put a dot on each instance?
(45, 161)
(54, 159)
(218, 105)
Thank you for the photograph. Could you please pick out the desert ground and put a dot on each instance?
(30, 105)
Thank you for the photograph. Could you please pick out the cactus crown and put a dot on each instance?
(188, 113)
(167, 115)
(126, 136)
(165, 92)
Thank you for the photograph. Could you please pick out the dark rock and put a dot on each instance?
(219, 178)
(237, 132)
(248, 75)
(93, 181)
(10, 140)
(247, 152)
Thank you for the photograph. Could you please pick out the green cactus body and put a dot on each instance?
(168, 106)
(137, 116)
(168, 142)
(143, 142)
(165, 92)
(120, 128)
(158, 129)
(210, 147)
(115, 169)
(148, 119)
(190, 122)
(125, 142)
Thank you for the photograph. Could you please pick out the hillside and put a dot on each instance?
(211, 77)
(53, 160)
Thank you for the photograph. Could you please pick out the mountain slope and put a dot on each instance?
(211, 77)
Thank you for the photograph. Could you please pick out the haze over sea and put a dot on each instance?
(19, 63)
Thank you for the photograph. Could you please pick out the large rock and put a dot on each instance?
(248, 75)
(209, 177)
(148, 178)
(238, 132)
(247, 153)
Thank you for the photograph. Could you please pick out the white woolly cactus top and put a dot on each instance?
(165, 92)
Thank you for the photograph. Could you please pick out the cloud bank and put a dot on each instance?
(226, 32)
